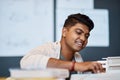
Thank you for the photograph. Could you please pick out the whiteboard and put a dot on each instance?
(24, 24)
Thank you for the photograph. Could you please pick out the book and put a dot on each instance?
(113, 63)
(111, 75)
(38, 73)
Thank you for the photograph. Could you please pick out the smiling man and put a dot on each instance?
(65, 53)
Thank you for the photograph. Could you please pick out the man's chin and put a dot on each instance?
(79, 49)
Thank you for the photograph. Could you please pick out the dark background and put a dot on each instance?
(89, 53)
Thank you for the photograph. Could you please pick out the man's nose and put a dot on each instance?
(82, 37)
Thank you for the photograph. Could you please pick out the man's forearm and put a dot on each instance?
(78, 66)
(56, 63)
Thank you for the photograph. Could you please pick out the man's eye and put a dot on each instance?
(86, 36)
(78, 32)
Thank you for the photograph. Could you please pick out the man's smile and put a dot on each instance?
(79, 43)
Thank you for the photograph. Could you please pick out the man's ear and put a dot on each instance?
(64, 31)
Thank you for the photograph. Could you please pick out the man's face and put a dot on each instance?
(76, 37)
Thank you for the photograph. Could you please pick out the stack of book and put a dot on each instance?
(111, 75)
(113, 63)
(35, 74)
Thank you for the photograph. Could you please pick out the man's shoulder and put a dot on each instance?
(49, 45)
(46, 48)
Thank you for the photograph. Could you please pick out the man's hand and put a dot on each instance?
(95, 67)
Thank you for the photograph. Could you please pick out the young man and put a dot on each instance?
(65, 54)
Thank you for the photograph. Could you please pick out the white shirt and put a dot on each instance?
(38, 57)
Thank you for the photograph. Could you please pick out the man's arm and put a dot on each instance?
(94, 67)
(56, 63)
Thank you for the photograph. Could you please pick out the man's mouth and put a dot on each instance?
(79, 43)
